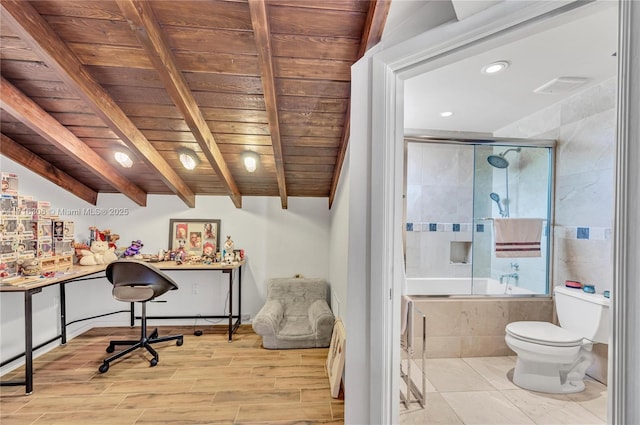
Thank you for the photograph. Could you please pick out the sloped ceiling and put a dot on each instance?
(84, 79)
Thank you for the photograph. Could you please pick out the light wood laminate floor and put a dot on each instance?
(205, 381)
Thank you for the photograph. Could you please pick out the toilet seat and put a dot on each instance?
(543, 333)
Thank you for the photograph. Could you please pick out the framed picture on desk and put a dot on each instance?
(197, 237)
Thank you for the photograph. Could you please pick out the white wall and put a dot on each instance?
(277, 242)
(358, 380)
(624, 391)
(339, 243)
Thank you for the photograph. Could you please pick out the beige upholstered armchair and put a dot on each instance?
(295, 315)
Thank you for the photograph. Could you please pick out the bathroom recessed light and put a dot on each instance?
(495, 67)
(446, 114)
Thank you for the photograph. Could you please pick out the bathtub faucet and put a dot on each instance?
(509, 276)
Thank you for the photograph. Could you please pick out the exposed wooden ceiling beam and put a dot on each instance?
(374, 26)
(260, 22)
(28, 159)
(40, 37)
(37, 119)
(143, 22)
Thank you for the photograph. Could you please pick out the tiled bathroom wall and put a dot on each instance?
(447, 186)
(439, 249)
(439, 210)
(584, 127)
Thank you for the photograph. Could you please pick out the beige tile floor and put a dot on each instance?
(479, 391)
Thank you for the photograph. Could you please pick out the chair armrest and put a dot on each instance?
(321, 317)
(268, 319)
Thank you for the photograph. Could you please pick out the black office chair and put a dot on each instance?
(136, 281)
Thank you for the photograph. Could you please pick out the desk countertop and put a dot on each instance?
(22, 284)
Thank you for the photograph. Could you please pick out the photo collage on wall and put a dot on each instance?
(195, 237)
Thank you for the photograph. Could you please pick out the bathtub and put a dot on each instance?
(461, 324)
(461, 286)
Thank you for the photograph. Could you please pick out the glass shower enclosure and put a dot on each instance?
(458, 193)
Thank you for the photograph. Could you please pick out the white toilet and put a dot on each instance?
(554, 359)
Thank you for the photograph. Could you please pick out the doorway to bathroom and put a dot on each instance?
(477, 216)
(383, 85)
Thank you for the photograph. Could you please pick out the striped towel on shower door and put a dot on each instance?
(517, 237)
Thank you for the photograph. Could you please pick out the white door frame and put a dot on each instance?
(431, 50)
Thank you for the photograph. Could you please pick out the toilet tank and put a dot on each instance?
(584, 314)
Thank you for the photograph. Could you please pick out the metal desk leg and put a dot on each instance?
(239, 295)
(28, 341)
(230, 273)
(28, 345)
(63, 314)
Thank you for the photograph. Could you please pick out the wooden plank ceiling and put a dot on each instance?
(84, 79)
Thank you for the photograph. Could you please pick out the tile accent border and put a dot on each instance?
(563, 232)
(583, 233)
(442, 227)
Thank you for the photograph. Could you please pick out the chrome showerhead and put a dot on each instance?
(499, 161)
(495, 197)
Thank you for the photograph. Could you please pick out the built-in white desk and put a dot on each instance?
(29, 286)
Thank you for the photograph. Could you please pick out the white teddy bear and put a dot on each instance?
(100, 254)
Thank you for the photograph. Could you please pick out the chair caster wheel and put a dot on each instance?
(154, 334)
(103, 367)
(153, 362)
(179, 342)
(111, 349)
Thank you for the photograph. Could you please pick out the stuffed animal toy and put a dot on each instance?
(100, 253)
(181, 254)
(134, 249)
(113, 238)
(109, 255)
(79, 247)
(180, 257)
(96, 234)
(228, 257)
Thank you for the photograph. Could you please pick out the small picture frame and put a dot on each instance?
(195, 237)
(336, 358)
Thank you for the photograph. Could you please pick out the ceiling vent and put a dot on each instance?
(561, 85)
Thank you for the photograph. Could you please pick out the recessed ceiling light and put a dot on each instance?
(123, 159)
(250, 160)
(188, 158)
(446, 114)
(495, 67)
